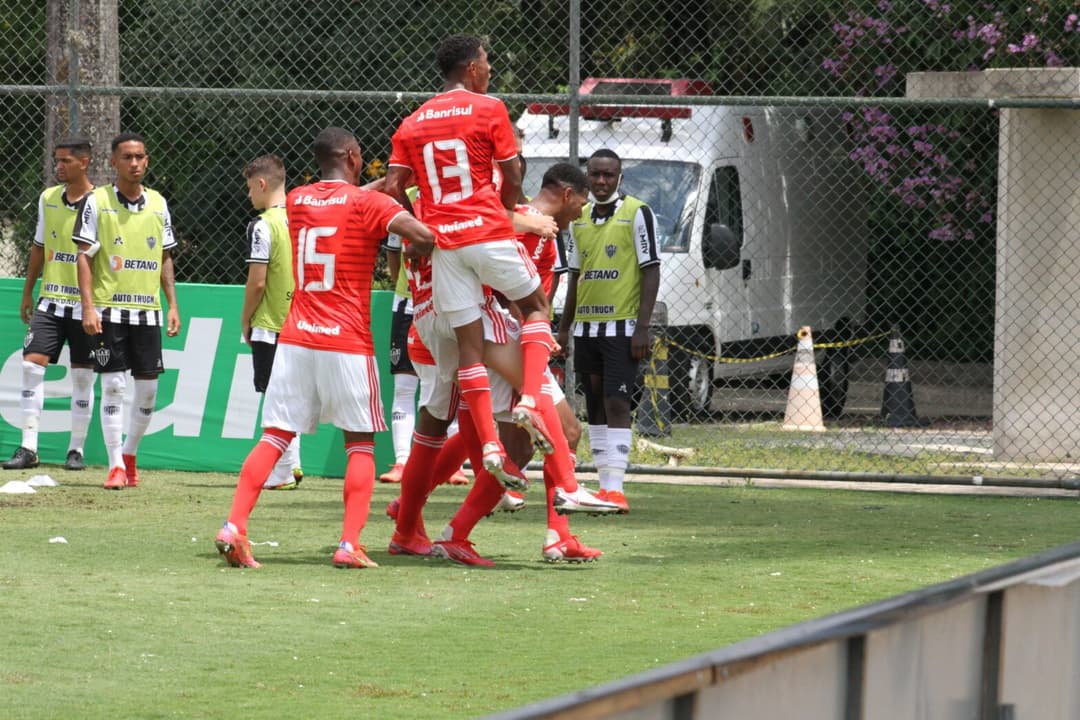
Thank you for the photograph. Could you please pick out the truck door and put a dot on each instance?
(722, 244)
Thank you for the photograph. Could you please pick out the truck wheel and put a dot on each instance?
(691, 378)
(833, 373)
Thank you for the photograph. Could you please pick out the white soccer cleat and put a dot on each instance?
(510, 502)
(582, 501)
(528, 418)
(495, 463)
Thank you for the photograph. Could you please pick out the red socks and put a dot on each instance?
(260, 461)
(559, 461)
(536, 346)
(485, 492)
(359, 484)
(476, 392)
(479, 503)
(416, 482)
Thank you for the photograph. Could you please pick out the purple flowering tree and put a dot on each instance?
(938, 166)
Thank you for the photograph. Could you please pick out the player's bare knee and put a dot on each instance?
(570, 425)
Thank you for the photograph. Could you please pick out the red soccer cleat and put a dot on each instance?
(117, 480)
(235, 548)
(568, 549)
(393, 475)
(615, 497)
(347, 556)
(414, 545)
(459, 551)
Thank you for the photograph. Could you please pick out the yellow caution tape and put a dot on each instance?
(716, 358)
(655, 382)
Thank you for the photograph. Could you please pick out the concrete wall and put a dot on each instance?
(1036, 381)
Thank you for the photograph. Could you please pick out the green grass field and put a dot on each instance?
(136, 616)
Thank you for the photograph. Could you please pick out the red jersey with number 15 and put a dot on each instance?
(451, 144)
(336, 229)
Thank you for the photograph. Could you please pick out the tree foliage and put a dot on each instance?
(935, 169)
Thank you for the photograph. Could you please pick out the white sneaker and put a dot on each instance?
(581, 501)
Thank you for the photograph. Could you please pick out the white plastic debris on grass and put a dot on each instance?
(42, 481)
(17, 487)
(59, 539)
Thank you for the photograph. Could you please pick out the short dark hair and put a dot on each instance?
(565, 175)
(330, 144)
(269, 166)
(79, 146)
(457, 50)
(605, 154)
(127, 137)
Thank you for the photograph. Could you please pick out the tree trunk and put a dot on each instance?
(82, 48)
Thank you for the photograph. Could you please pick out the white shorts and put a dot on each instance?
(438, 383)
(457, 277)
(438, 390)
(440, 398)
(309, 386)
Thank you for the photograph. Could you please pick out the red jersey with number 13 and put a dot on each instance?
(451, 144)
(336, 229)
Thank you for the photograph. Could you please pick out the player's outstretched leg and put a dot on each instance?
(231, 540)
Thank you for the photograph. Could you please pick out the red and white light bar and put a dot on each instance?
(630, 86)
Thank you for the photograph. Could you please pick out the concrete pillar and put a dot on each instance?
(1037, 315)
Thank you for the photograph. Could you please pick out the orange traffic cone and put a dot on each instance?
(804, 400)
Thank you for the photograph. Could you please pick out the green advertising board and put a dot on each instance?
(207, 414)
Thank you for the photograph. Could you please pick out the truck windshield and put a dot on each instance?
(669, 188)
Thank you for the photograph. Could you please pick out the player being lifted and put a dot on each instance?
(325, 369)
(451, 145)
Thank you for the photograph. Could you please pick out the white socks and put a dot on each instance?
(113, 385)
(31, 401)
(403, 415)
(282, 472)
(145, 397)
(82, 406)
(618, 457)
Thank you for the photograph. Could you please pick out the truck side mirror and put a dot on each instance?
(720, 249)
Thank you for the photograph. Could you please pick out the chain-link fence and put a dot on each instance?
(794, 183)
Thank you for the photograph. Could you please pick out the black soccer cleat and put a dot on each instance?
(74, 461)
(22, 460)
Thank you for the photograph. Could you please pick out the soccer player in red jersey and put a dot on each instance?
(452, 145)
(325, 369)
(563, 194)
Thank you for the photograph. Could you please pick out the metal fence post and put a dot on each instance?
(73, 67)
(574, 82)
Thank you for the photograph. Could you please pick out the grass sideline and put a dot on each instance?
(136, 616)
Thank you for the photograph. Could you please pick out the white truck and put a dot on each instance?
(761, 222)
